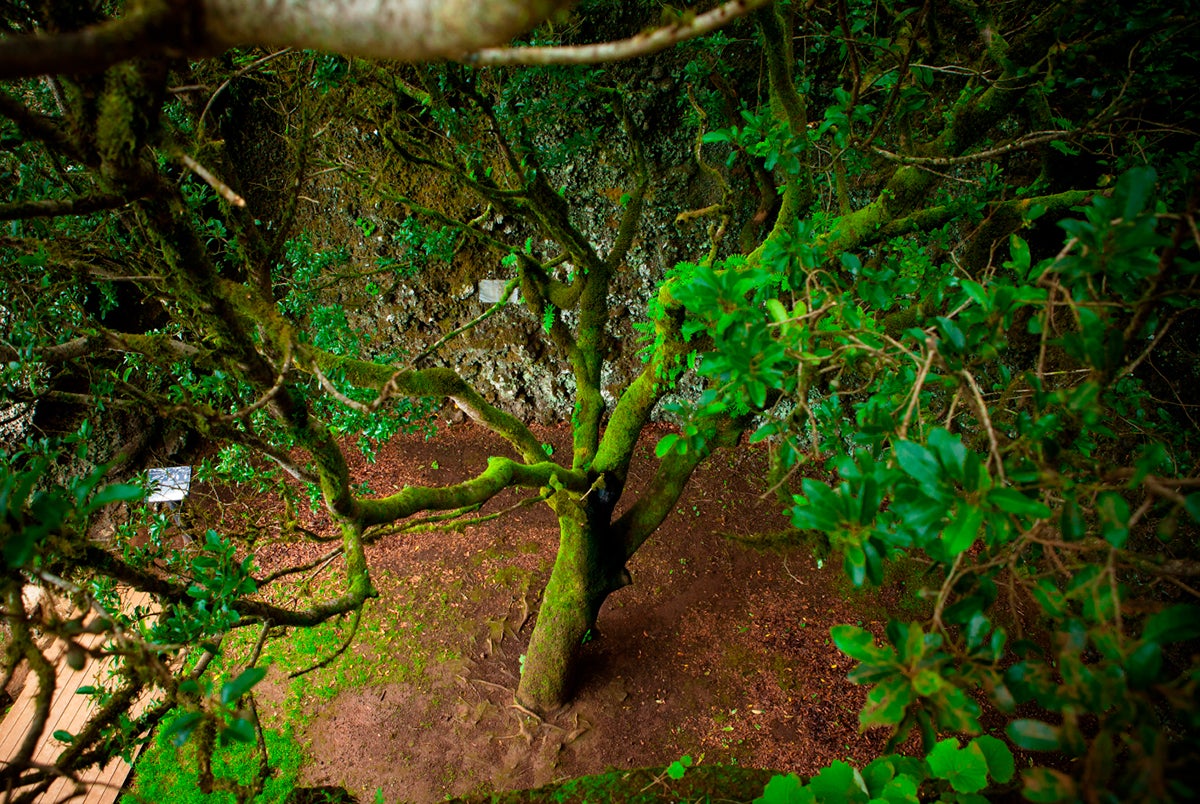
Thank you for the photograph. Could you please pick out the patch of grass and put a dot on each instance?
(647, 786)
(168, 774)
(392, 645)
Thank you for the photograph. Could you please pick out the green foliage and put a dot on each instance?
(762, 137)
(39, 518)
(167, 772)
(679, 767)
(219, 578)
(936, 468)
(951, 772)
(1010, 409)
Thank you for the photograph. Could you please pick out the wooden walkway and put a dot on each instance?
(68, 712)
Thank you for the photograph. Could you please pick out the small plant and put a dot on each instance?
(679, 767)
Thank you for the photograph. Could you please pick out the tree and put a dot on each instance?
(891, 308)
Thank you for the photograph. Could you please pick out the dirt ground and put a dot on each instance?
(720, 649)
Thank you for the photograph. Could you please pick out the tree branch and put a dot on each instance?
(23, 210)
(157, 29)
(641, 45)
(403, 30)
(501, 473)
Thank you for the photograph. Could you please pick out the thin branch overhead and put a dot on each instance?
(643, 44)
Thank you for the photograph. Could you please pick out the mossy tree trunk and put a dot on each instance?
(590, 566)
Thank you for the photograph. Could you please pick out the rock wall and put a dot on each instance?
(507, 357)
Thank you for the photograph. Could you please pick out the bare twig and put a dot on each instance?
(265, 398)
(223, 189)
(252, 65)
(916, 390)
(1028, 141)
(981, 405)
(641, 45)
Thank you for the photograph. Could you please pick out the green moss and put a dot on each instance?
(510, 576)
(166, 773)
(703, 783)
(776, 539)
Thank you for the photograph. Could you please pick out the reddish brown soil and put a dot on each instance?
(719, 650)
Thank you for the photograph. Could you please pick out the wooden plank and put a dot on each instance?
(69, 711)
(23, 707)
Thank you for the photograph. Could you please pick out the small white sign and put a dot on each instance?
(490, 290)
(169, 484)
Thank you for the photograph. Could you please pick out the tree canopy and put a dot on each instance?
(941, 257)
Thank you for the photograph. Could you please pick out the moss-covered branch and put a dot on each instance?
(787, 105)
(635, 404)
(84, 205)
(108, 564)
(658, 500)
(501, 473)
(1011, 211)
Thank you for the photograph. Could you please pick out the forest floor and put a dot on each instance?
(720, 649)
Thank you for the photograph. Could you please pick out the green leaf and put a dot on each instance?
(1176, 624)
(1073, 525)
(117, 492)
(1045, 786)
(1020, 256)
(857, 643)
(665, 444)
(1192, 505)
(877, 774)
(918, 463)
(999, 758)
(785, 790)
(1014, 502)
(19, 547)
(950, 451)
(839, 784)
(234, 690)
(962, 531)
(1050, 598)
(63, 736)
(679, 767)
(927, 682)
(887, 703)
(776, 311)
(965, 769)
(976, 293)
(238, 731)
(179, 729)
(1144, 664)
(1034, 735)
(901, 790)
(957, 711)
(1114, 518)
(1133, 190)
(952, 333)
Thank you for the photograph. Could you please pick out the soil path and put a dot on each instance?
(719, 650)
